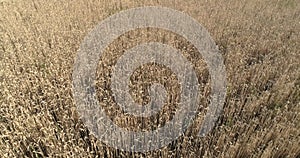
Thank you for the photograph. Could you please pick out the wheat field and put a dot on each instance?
(258, 39)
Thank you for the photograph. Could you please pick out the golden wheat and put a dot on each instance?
(258, 39)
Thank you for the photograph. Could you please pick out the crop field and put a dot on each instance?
(259, 41)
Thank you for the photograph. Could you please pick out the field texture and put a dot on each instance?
(258, 39)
